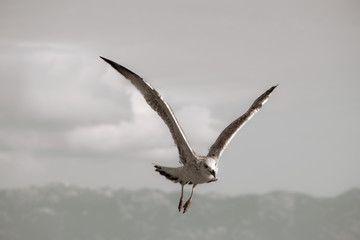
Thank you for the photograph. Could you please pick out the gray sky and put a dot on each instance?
(65, 115)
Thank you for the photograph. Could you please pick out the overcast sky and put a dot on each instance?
(65, 115)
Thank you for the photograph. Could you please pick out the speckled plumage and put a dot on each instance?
(196, 169)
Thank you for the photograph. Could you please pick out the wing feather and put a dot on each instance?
(159, 105)
(229, 132)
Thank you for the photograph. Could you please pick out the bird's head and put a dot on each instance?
(209, 168)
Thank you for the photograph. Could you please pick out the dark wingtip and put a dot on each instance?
(272, 89)
(123, 70)
(275, 86)
(106, 60)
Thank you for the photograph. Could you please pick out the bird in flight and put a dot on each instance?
(195, 169)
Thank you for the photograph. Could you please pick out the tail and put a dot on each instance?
(173, 174)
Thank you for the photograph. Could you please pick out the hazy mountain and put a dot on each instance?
(62, 212)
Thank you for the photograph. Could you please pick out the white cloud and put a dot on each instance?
(70, 98)
(61, 85)
(198, 126)
(146, 134)
(104, 113)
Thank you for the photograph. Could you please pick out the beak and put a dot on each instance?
(213, 173)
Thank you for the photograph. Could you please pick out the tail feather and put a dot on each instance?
(173, 174)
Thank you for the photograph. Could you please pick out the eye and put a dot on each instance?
(206, 166)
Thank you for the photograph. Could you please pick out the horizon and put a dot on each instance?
(166, 191)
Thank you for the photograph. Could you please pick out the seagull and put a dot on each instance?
(195, 169)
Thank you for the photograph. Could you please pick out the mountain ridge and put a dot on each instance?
(61, 211)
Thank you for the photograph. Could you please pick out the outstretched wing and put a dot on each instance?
(156, 102)
(229, 132)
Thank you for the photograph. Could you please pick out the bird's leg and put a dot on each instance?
(188, 202)
(181, 198)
